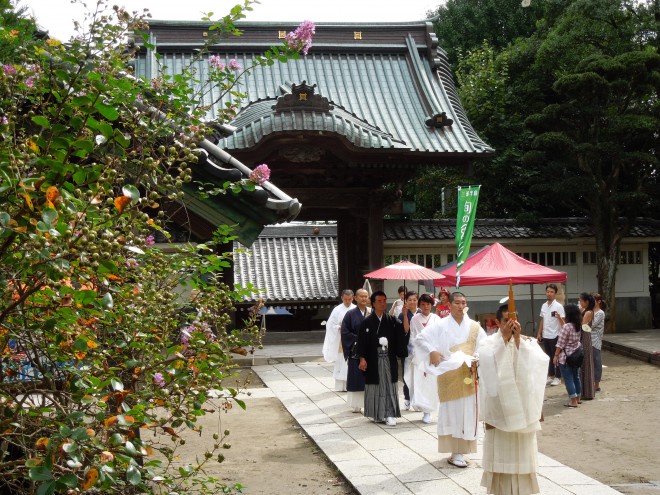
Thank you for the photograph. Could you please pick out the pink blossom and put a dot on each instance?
(301, 38)
(216, 62)
(159, 380)
(9, 69)
(234, 65)
(149, 240)
(3, 120)
(29, 82)
(260, 174)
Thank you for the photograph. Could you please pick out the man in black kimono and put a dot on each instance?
(349, 333)
(381, 339)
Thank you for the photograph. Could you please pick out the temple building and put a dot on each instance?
(342, 128)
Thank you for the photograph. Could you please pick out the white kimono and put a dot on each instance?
(422, 386)
(512, 386)
(332, 345)
(456, 418)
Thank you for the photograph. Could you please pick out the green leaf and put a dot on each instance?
(47, 488)
(106, 129)
(80, 345)
(132, 192)
(106, 301)
(49, 216)
(130, 449)
(69, 447)
(42, 121)
(133, 475)
(116, 439)
(240, 403)
(70, 480)
(40, 473)
(106, 110)
(117, 385)
(79, 177)
(4, 219)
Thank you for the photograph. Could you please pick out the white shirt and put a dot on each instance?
(551, 324)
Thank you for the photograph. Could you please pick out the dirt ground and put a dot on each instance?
(612, 439)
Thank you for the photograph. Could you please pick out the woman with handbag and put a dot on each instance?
(587, 380)
(597, 331)
(567, 352)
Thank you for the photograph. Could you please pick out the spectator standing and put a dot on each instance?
(349, 333)
(587, 304)
(567, 343)
(552, 319)
(332, 348)
(597, 332)
(397, 306)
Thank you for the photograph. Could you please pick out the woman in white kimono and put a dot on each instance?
(422, 385)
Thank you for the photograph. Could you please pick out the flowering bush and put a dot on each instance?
(95, 384)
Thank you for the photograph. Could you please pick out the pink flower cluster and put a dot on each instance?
(159, 380)
(9, 69)
(196, 326)
(216, 62)
(3, 120)
(301, 38)
(149, 241)
(260, 174)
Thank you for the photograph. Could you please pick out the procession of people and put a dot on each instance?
(475, 383)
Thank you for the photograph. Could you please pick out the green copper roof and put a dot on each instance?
(381, 89)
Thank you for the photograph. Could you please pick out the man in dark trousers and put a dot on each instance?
(381, 339)
(349, 333)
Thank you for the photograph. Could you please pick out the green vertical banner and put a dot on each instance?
(466, 212)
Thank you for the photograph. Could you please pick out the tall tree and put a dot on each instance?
(463, 25)
(597, 137)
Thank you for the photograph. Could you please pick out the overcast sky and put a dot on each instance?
(56, 15)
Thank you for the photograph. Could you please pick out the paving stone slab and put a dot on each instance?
(563, 475)
(367, 466)
(444, 486)
(379, 485)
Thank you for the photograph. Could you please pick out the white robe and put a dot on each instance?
(512, 386)
(456, 418)
(332, 342)
(422, 386)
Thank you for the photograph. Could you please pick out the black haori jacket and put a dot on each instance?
(368, 337)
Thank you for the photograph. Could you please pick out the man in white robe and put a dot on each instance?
(512, 376)
(332, 349)
(447, 348)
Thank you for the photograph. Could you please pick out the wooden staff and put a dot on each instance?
(513, 315)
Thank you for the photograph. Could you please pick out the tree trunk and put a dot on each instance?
(609, 231)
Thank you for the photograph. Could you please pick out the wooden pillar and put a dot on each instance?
(346, 255)
(375, 237)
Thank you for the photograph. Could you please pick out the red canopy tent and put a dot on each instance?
(496, 265)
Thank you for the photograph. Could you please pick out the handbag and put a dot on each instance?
(575, 359)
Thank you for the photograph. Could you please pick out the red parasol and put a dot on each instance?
(405, 270)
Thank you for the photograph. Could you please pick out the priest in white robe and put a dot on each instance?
(447, 350)
(332, 349)
(512, 372)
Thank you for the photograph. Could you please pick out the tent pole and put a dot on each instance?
(531, 290)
